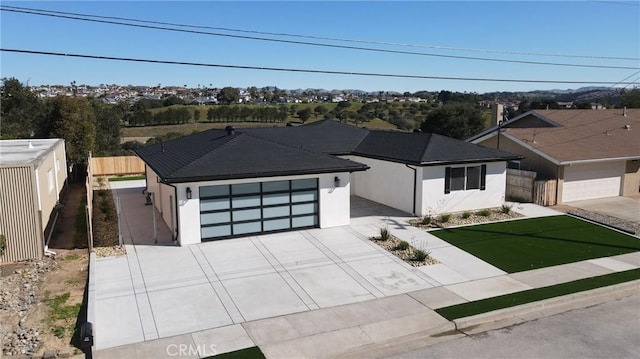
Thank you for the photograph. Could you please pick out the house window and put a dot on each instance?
(457, 179)
(473, 177)
(465, 178)
(51, 180)
(514, 164)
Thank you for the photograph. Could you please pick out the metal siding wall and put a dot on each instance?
(19, 214)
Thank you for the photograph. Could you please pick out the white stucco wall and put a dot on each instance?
(386, 182)
(435, 201)
(163, 195)
(334, 205)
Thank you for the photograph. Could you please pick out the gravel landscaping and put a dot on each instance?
(448, 220)
(405, 251)
(614, 222)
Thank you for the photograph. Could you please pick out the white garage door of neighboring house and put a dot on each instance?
(595, 180)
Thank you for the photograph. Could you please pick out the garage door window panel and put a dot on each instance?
(251, 208)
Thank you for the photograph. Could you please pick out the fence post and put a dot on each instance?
(118, 211)
(89, 231)
(153, 212)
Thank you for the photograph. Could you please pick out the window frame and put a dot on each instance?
(449, 178)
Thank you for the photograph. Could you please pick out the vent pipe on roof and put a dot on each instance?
(627, 127)
(624, 111)
(30, 145)
(230, 130)
(162, 146)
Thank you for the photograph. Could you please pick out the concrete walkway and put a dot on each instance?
(314, 293)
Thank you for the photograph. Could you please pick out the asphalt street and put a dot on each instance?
(609, 330)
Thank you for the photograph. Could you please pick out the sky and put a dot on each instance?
(587, 28)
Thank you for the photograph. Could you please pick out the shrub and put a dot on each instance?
(466, 214)
(3, 244)
(444, 218)
(484, 213)
(420, 255)
(426, 220)
(403, 246)
(384, 233)
(505, 209)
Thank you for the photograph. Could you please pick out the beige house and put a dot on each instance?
(591, 153)
(32, 175)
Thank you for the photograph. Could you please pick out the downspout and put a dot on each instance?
(175, 199)
(415, 184)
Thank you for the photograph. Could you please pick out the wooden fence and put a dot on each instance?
(520, 185)
(523, 187)
(118, 165)
(545, 192)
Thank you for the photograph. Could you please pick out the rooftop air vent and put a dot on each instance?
(230, 130)
(627, 127)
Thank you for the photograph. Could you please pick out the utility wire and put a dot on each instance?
(4, 8)
(316, 37)
(282, 69)
(626, 78)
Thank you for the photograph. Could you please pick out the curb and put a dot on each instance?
(547, 307)
(500, 318)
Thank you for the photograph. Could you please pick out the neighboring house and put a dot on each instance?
(32, 175)
(220, 184)
(591, 153)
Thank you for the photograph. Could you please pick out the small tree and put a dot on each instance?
(304, 114)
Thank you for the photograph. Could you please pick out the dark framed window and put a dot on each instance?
(457, 179)
(473, 177)
(465, 178)
(250, 208)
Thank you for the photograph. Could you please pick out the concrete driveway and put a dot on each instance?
(626, 208)
(162, 290)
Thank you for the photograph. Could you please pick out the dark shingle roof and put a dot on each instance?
(307, 149)
(214, 155)
(330, 137)
(426, 149)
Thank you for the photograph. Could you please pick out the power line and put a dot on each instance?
(44, 13)
(626, 78)
(283, 69)
(316, 37)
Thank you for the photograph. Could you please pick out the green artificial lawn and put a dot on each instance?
(246, 353)
(516, 246)
(534, 295)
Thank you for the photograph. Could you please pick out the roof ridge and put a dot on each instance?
(217, 149)
(295, 148)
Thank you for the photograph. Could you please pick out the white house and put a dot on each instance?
(223, 184)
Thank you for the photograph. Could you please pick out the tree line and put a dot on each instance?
(85, 125)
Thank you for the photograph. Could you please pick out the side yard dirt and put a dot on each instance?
(40, 302)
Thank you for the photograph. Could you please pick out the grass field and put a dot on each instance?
(537, 294)
(527, 244)
(187, 128)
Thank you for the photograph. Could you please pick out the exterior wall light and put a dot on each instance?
(336, 181)
(189, 195)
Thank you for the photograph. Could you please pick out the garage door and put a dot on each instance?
(250, 208)
(588, 181)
